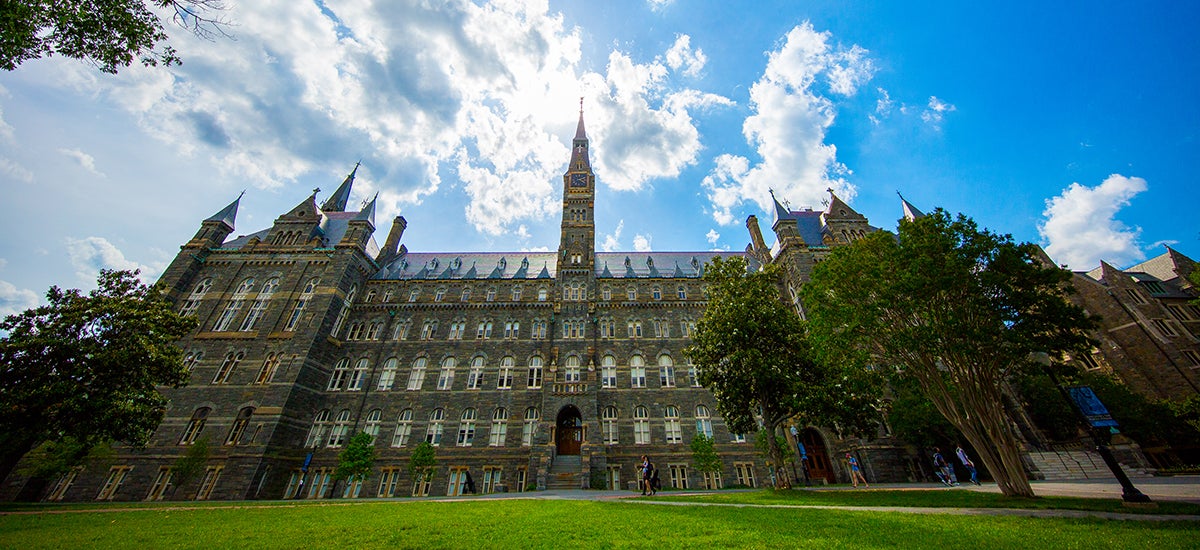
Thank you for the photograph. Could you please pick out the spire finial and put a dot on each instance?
(580, 105)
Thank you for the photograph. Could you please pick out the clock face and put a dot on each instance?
(578, 180)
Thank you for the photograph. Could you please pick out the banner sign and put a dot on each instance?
(1091, 407)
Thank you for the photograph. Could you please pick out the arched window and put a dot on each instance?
(337, 379)
(641, 426)
(535, 373)
(499, 428)
(371, 426)
(193, 301)
(671, 425)
(239, 426)
(609, 420)
(387, 377)
(571, 369)
(433, 434)
(403, 428)
(234, 305)
(504, 378)
(446, 376)
(305, 297)
(529, 429)
(316, 433)
(666, 371)
(344, 312)
(341, 428)
(608, 371)
(260, 304)
(359, 375)
(416, 377)
(475, 375)
(637, 371)
(270, 365)
(195, 426)
(227, 367)
(466, 428)
(703, 421)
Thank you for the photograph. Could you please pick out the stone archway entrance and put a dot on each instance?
(568, 433)
(819, 466)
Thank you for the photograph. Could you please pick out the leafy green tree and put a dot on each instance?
(913, 417)
(751, 352)
(704, 455)
(422, 462)
(955, 308)
(357, 459)
(109, 34)
(86, 367)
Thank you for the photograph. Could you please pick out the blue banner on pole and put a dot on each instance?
(1091, 407)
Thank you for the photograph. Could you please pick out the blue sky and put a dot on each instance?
(1069, 124)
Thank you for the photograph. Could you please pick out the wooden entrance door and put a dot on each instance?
(818, 458)
(569, 431)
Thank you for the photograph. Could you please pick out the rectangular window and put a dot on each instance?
(608, 376)
(422, 482)
(1135, 296)
(522, 477)
(116, 476)
(1192, 356)
(745, 473)
(641, 431)
(612, 478)
(637, 377)
(322, 482)
(63, 484)
(491, 478)
(679, 479)
(389, 478)
(712, 480)
(211, 475)
(1164, 327)
(161, 482)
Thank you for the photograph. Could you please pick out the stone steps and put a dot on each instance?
(1077, 465)
(565, 473)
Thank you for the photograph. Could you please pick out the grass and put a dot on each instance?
(561, 523)
(935, 498)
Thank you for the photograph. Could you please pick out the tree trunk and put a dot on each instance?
(989, 433)
(776, 454)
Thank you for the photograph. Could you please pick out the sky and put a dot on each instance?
(1072, 125)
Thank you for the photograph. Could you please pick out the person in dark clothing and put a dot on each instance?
(655, 483)
(470, 488)
(646, 471)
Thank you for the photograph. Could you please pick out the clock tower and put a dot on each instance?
(577, 249)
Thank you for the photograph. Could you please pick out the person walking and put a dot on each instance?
(855, 472)
(943, 468)
(966, 462)
(646, 473)
(655, 483)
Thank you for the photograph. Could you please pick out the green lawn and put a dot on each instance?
(561, 523)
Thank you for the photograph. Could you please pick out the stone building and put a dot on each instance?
(526, 370)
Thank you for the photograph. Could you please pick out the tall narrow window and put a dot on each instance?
(193, 301)
(512, 329)
(359, 375)
(416, 377)
(260, 304)
(234, 305)
(161, 481)
(429, 330)
(344, 312)
(116, 477)
(641, 426)
(499, 427)
(446, 376)
(433, 433)
(305, 297)
(516, 293)
(637, 372)
(666, 371)
(211, 475)
(609, 420)
(337, 379)
(403, 428)
(387, 377)
(571, 370)
(484, 331)
(371, 426)
(504, 379)
(703, 421)
(671, 424)
(239, 426)
(535, 373)
(195, 426)
(529, 429)
(466, 428)
(227, 367)
(400, 331)
(608, 372)
(192, 359)
(475, 375)
(316, 433)
(340, 430)
(270, 365)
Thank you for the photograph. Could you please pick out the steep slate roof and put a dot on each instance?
(337, 201)
(544, 265)
(228, 214)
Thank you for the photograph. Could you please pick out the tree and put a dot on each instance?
(357, 459)
(955, 308)
(751, 352)
(85, 367)
(422, 462)
(189, 466)
(109, 34)
(704, 455)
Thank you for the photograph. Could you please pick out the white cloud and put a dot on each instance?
(681, 55)
(659, 5)
(612, 241)
(84, 160)
(641, 243)
(1080, 228)
(936, 111)
(91, 254)
(788, 127)
(712, 236)
(883, 107)
(15, 171)
(15, 300)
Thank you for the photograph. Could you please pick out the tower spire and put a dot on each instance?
(337, 201)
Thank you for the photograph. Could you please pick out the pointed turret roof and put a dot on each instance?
(367, 214)
(910, 212)
(781, 211)
(227, 214)
(579, 147)
(337, 201)
(579, 131)
(838, 206)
